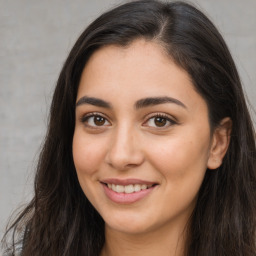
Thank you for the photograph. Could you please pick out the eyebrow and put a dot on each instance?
(142, 103)
(157, 101)
(93, 101)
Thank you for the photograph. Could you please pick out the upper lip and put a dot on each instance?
(125, 182)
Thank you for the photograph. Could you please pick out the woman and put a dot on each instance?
(150, 147)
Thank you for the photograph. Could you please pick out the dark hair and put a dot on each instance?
(61, 221)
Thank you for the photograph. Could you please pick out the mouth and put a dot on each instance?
(127, 191)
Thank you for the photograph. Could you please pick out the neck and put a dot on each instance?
(161, 242)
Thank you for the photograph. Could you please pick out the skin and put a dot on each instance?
(129, 143)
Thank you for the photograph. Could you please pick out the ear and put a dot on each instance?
(220, 143)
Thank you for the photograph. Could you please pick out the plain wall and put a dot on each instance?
(35, 38)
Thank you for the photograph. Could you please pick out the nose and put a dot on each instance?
(125, 150)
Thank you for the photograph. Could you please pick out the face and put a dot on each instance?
(142, 139)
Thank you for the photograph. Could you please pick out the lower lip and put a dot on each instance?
(123, 198)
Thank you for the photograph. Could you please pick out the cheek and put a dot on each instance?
(180, 158)
(182, 164)
(87, 154)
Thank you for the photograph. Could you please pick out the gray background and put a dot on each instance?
(35, 38)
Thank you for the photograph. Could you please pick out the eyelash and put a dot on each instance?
(84, 119)
(163, 116)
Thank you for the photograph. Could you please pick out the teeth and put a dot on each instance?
(128, 189)
(120, 189)
(143, 186)
(137, 187)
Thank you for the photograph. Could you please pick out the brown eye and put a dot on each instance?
(160, 121)
(99, 120)
(95, 121)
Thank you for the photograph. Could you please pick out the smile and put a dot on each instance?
(128, 189)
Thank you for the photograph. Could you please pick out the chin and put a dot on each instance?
(129, 223)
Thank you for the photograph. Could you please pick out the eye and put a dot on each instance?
(95, 120)
(159, 121)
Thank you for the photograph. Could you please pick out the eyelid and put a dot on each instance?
(86, 116)
(168, 117)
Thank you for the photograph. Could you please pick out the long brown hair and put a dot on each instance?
(61, 221)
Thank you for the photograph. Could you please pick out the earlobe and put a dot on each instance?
(220, 143)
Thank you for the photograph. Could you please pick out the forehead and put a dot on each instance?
(141, 69)
(134, 54)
